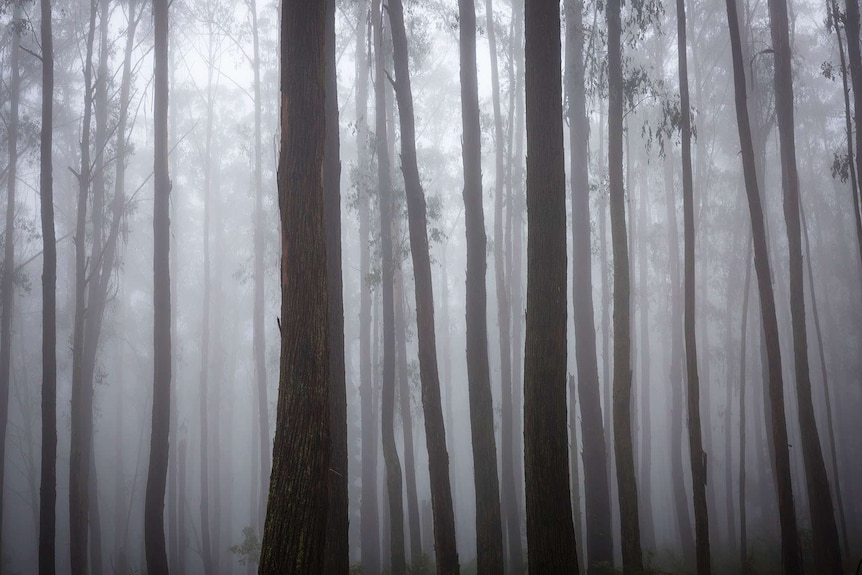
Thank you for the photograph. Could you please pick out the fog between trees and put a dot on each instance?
(402, 286)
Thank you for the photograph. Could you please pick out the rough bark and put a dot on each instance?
(337, 555)
(154, 523)
(435, 432)
(489, 533)
(790, 549)
(824, 532)
(599, 540)
(697, 455)
(296, 519)
(48, 479)
(550, 531)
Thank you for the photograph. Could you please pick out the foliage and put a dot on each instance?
(248, 552)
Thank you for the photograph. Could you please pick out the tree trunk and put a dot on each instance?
(384, 191)
(489, 534)
(154, 523)
(48, 480)
(574, 469)
(600, 547)
(435, 432)
(509, 500)
(182, 506)
(824, 532)
(550, 531)
(695, 442)
(855, 57)
(294, 538)
(368, 511)
(743, 529)
(790, 550)
(337, 556)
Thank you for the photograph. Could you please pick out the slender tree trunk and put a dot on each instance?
(855, 57)
(435, 432)
(384, 192)
(790, 550)
(182, 505)
(296, 520)
(574, 470)
(596, 485)
(337, 555)
(489, 534)
(624, 457)
(695, 441)
(743, 528)
(550, 531)
(509, 500)
(82, 394)
(368, 511)
(824, 532)
(48, 480)
(154, 523)
(258, 332)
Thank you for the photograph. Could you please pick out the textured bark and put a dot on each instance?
(855, 59)
(258, 332)
(337, 556)
(384, 195)
(790, 550)
(509, 502)
(489, 533)
(368, 510)
(154, 522)
(599, 540)
(550, 531)
(824, 532)
(695, 441)
(435, 432)
(622, 379)
(294, 536)
(48, 479)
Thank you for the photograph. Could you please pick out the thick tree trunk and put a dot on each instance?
(182, 506)
(550, 531)
(337, 556)
(48, 480)
(599, 546)
(435, 432)
(489, 534)
(695, 442)
(294, 538)
(154, 523)
(384, 192)
(824, 532)
(790, 549)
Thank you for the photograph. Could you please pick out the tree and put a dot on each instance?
(48, 488)
(824, 531)
(790, 550)
(435, 432)
(489, 532)
(550, 531)
(697, 455)
(296, 516)
(854, 55)
(154, 523)
(622, 385)
(596, 485)
(337, 556)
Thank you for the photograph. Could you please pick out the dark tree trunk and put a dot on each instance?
(48, 481)
(510, 514)
(398, 563)
(258, 332)
(337, 556)
(695, 441)
(294, 538)
(435, 432)
(624, 456)
(824, 532)
(855, 58)
(550, 531)
(790, 550)
(368, 510)
(600, 548)
(82, 394)
(154, 523)
(489, 533)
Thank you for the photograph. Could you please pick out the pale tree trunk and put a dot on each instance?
(743, 527)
